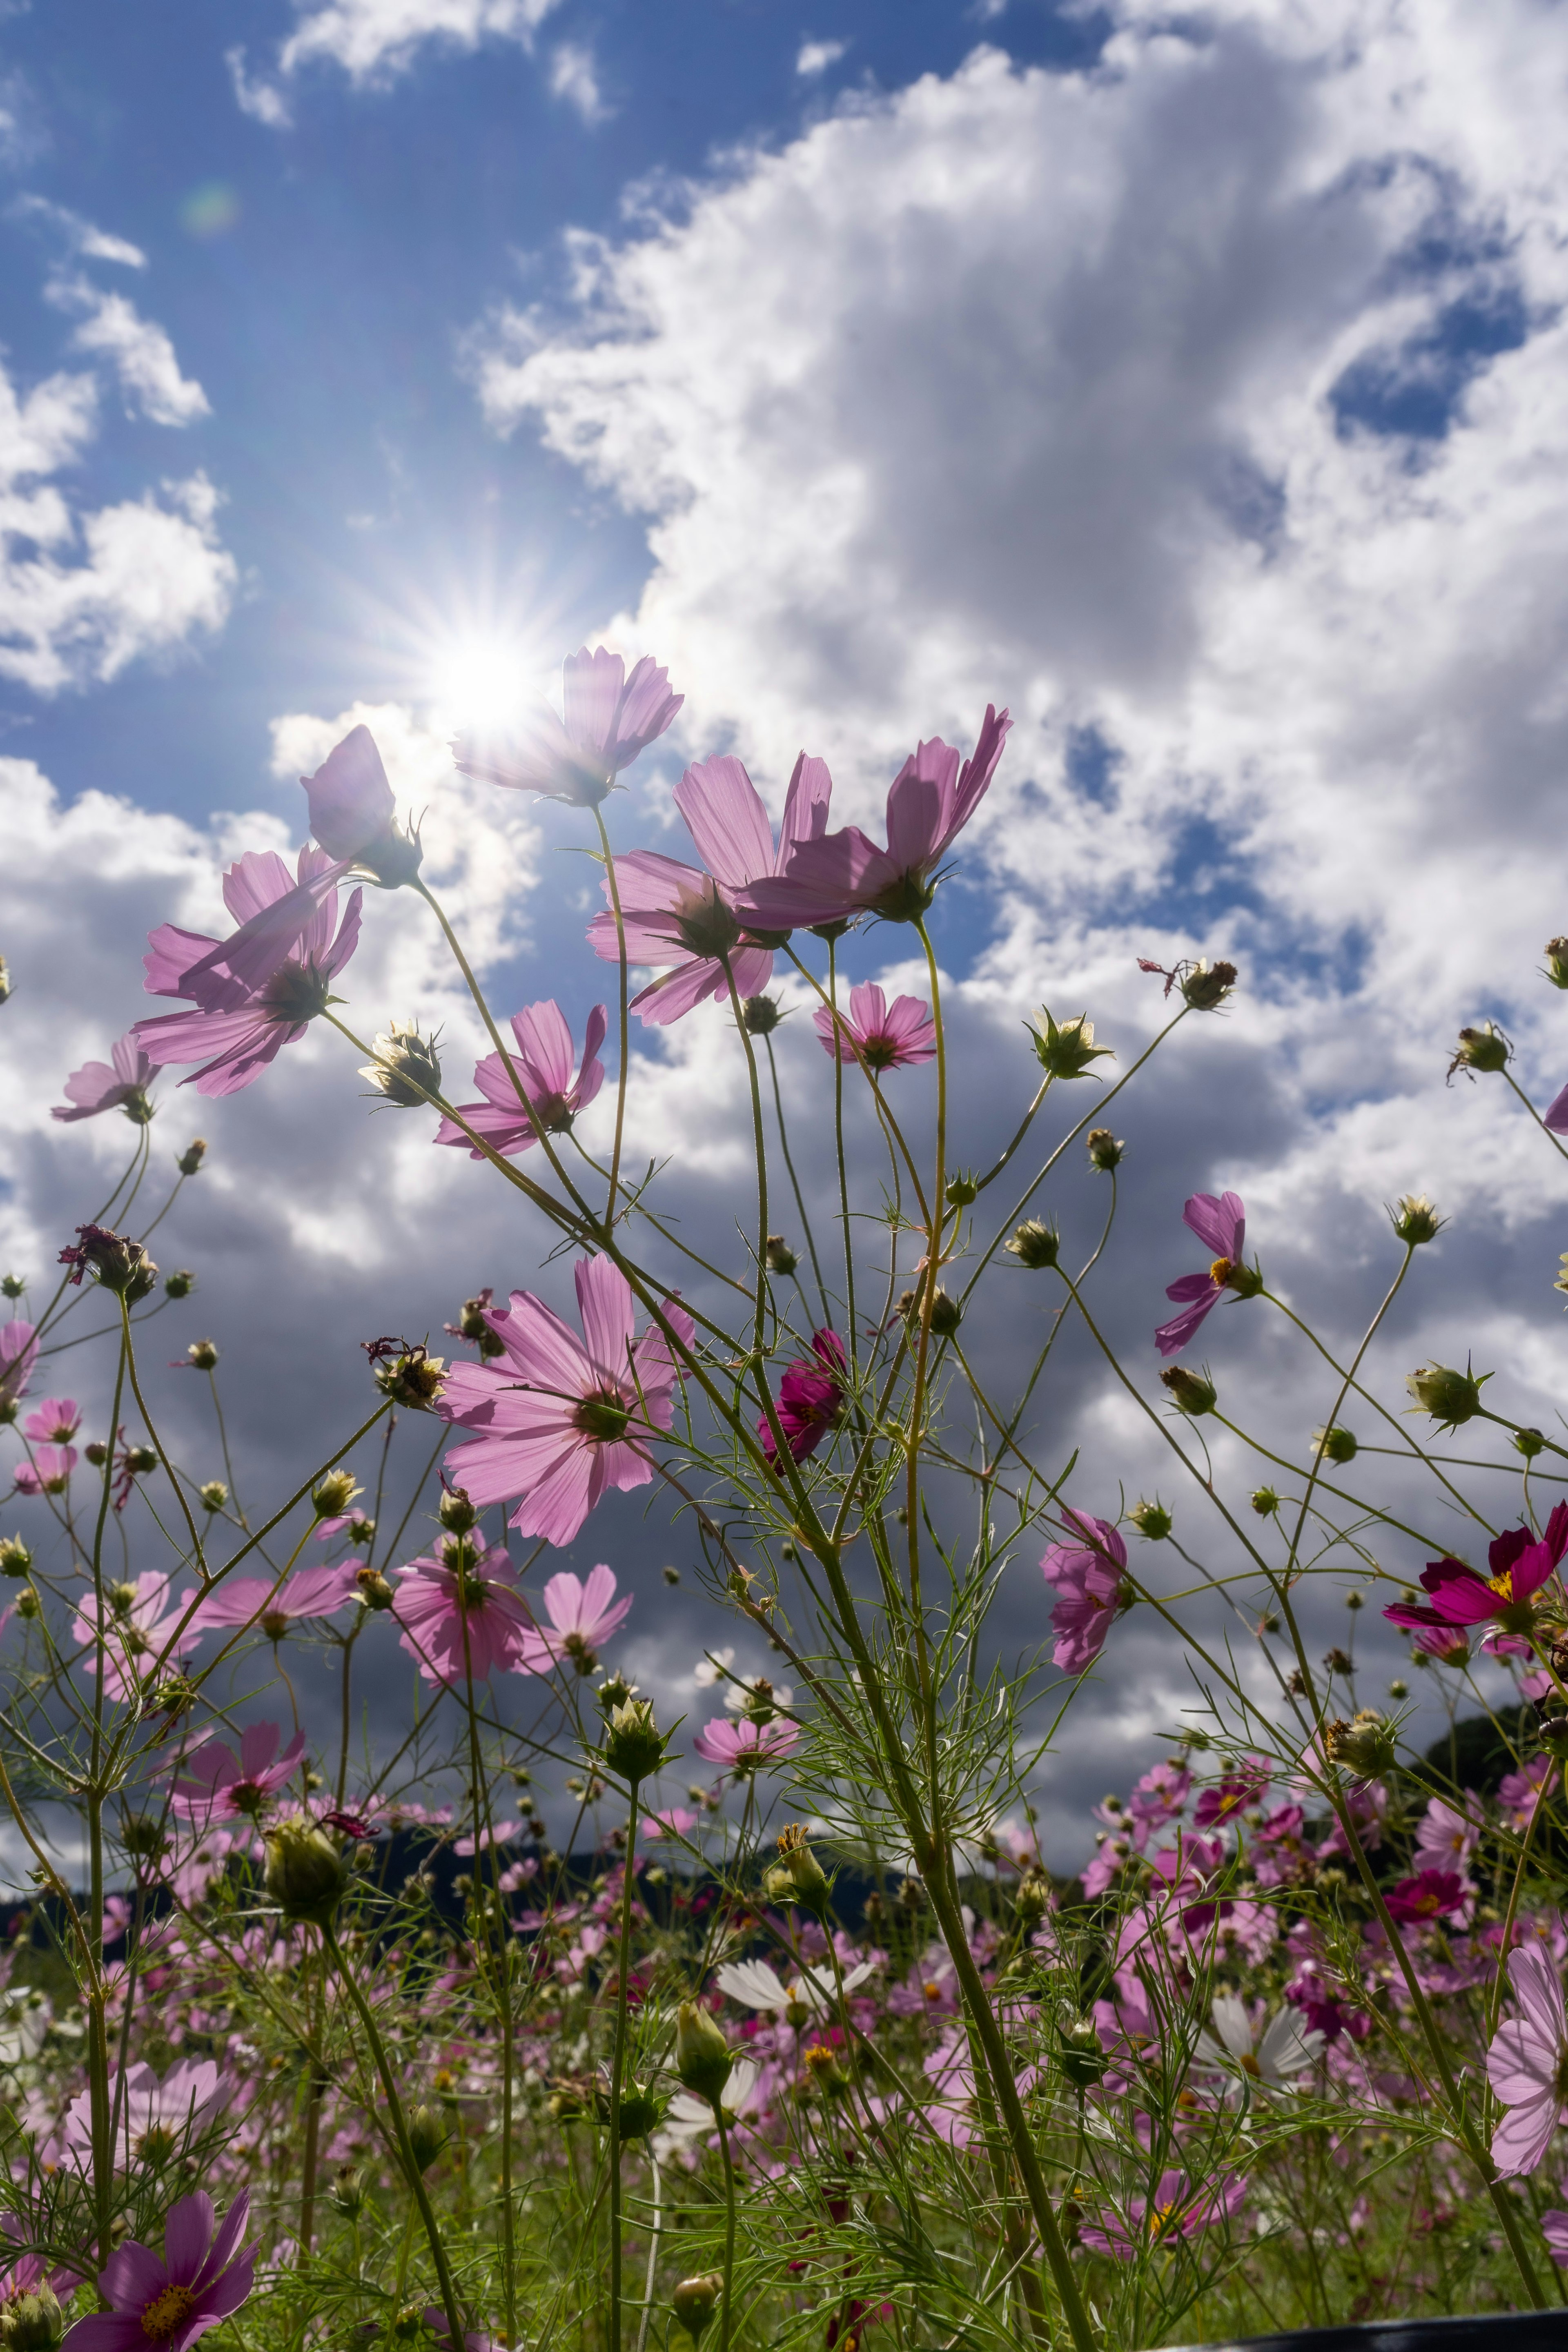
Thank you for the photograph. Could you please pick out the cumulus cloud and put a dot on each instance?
(815, 57)
(139, 351)
(374, 41)
(575, 77)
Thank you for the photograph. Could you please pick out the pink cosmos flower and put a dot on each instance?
(155, 2120)
(1087, 1579)
(810, 1398)
(557, 1419)
(466, 1588)
(55, 1421)
(163, 2306)
(1178, 2210)
(350, 804)
(1431, 1894)
(1220, 1224)
(879, 1036)
(48, 1472)
(684, 915)
(543, 1065)
(1233, 1795)
(1554, 2224)
(582, 1616)
(1161, 1794)
(119, 1083)
(258, 991)
(1448, 1837)
(260, 1600)
(1520, 1563)
(1519, 1793)
(1449, 1645)
(1527, 2062)
(18, 1352)
(220, 1785)
(838, 875)
(675, 1821)
(610, 720)
(746, 1746)
(139, 1632)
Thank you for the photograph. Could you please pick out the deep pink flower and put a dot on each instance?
(557, 1419)
(840, 874)
(258, 991)
(1430, 1894)
(543, 1064)
(466, 1589)
(1520, 1562)
(1178, 2210)
(684, 915)
(882, 1036)
(745, 1746)
(55, 1421)
(610, 720)
(139, 1624)
(1233, 1794)
(119, 1083)
(1554, 2224)
(1087, 1580)
(260, 1600)
(810, 1398)
(1220, 1224)
(162, 2306)
(582, 1616)
(1556, 1118)
(1528, 2063)
(221, 1786)
(18, 1352)
(48, 1472)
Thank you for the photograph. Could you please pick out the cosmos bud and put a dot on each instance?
(703, 2057)
(1152, 1520)
(695, 2300)
(1104, 1151)
(797, 1876)
(203, 1355)
(455, 1511)
(1485, 1048)
(305, 1872)
(1205, 986)
(347, 2191)
(1191, 1392)
(1364, 1747)
(214, 1495)
(407, 1070)
(1264, 1502)
(946, 1314)
(373, 1589)
(1556, 954)
(12, 1286)
(762, 1015)
(180, 1283)
(1031, 1899)
(191, 1157)
(634, 1745)
(1079, 2053)
(1035, 1244)
(16, 1559)
(1416, 1220)
(427, 2135)
(1066, 1052)
(962, 1189)
(32, 2322)
(1338, 1444)
(781, 1258)
(1530, 1442)
(336, 1491)
(1450, 1397)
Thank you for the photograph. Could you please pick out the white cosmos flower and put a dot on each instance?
(757, 1986)
(689, 2118)
(714, 1667)
(739, 1696)
(1282, 2052)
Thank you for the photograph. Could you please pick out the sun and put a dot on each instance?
(482, 685)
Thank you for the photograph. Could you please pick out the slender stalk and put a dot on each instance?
(725, 2308)
(794, 1184)
(618, 2067)
(621, 1075)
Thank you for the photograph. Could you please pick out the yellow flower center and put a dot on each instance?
(1221, 1271)
(1250, 2065)
(166, 2312)
(1502, 1585)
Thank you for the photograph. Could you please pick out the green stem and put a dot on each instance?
(724, 2315)
(614, 890)
(795, 1182)
(617, 2070)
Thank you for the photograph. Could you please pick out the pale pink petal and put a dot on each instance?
(604, 1304)
(725, 817)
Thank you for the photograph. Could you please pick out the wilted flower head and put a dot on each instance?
(1485, 1048)
(1203, 986)
(1035, 1244)
(116, 1262)
(406, 1371)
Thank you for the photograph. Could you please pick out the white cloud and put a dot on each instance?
(575, 77)
(375, 40)
(139, 351)
(815, 56)
(80, 236)
(262, 101)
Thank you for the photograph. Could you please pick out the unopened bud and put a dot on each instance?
(641, 2110)
(373, 1589)
(1530, 1442)
(456, 1512)
(32, 2321)
(27, 1604)
(1398, 1689)
(962, 1189)
(702, 2058)
(1485, 1048)
(1364, 1747)
(946, 1314)
(214, 1495)
(16, 1559)
(1191, 1392)
(912, 1896)
(1450, 1397)
(203, 1355)
(1105, 1152)
(797, 1876)
(670, 1575)
(191, 1157)
(427, 2135)
(347, 2191)
(1557, 953)
(1338, 1444)
(1035, 1244)
(695, 2300)
(140, 1834)
(335, 1492)
(1066, 1052)
(1264, 1502)
(1152, 1520)
(11, 1285)
(1416, 1219)
(762, 1015)
(141, 1459)
(1079, 2052)
(96, 1452)
(306, 1874)
(180, 1283)
(634, 1745)
(407, 1070)
(1031, 1899)
(781, 1258)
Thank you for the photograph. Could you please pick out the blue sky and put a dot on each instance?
(1194, 386)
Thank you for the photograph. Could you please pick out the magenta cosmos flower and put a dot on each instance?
(261, 1601)
(18, 1353)
(119, 1084)
(221, 1786)
(1528, 2063)
(1240, 1789)
(462, 1612)
(882, 1036)
(351, 802)
(1520, 1563)
(1177, 2210)
(55, 1421)
(747, 1746)
(1430, 1896)
(610, 720)
(258, 991)
(1087, 1580)
(543, 1064)
(582, 1616)
(140, 1632)
(555, 1419)
(810, 1398)
(685, 917)
(162, 2306)
(834, 877)
(1220, 1224)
